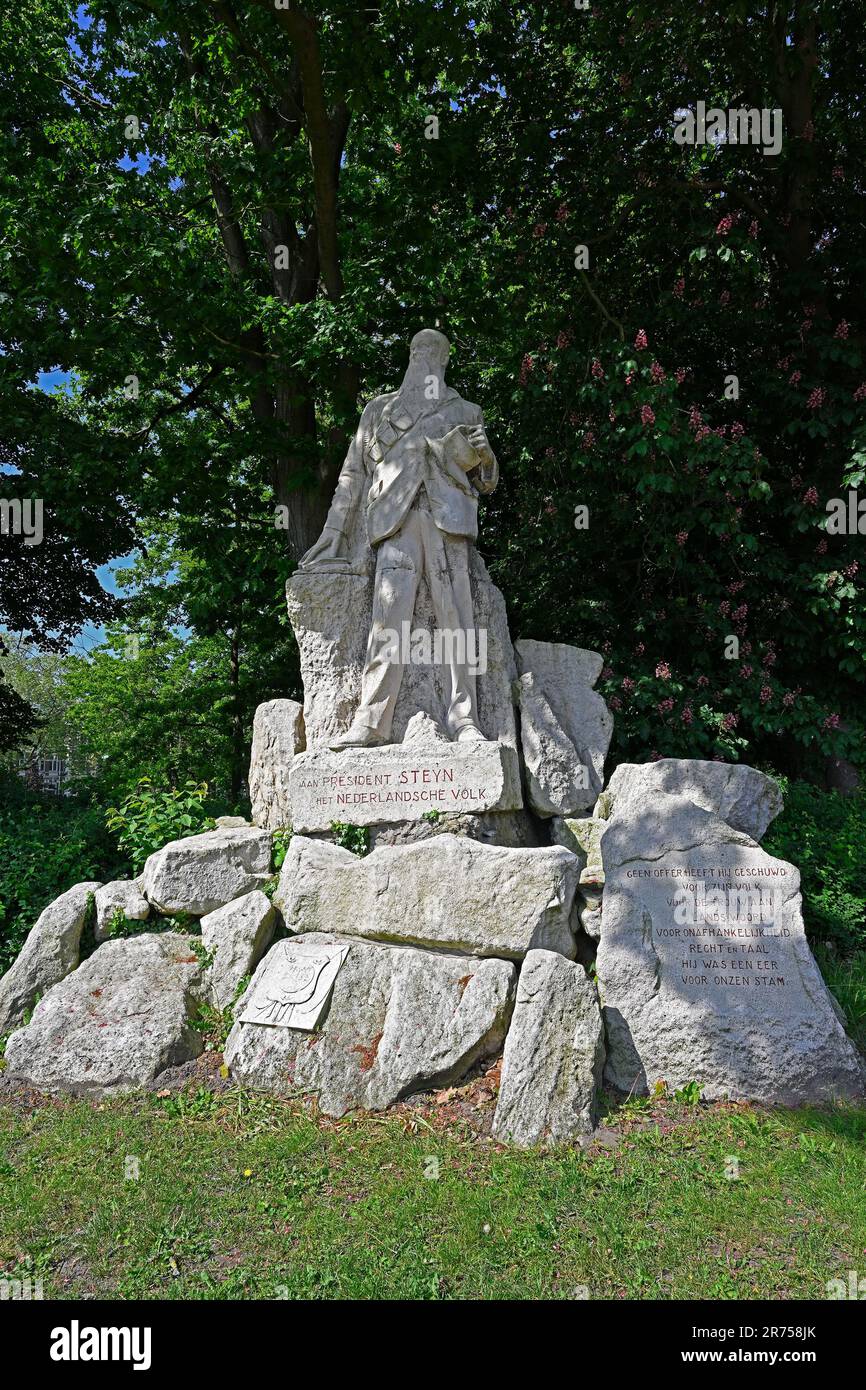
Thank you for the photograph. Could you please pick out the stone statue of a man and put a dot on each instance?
(418, 461)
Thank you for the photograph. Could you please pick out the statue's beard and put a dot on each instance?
(417, 385)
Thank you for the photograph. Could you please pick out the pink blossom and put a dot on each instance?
(766, 694)
(526, 367)
(640, 341)
(597, 370)
(657, 372)
(833, 721)
(730, 722)
(679, 288)
(810, 497)
(794, 378)
(665, 706)
(647, 415)
(628, 684)
(817, 398)
(682, 537)
(725, 225)
(860, 393)
(841, 329)
(663, 671)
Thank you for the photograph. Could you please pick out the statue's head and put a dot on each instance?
(430, 347)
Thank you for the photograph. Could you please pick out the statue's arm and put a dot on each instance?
(486, 475)
(347, 494)
(350, 484)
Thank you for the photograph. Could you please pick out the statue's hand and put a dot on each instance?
(327, 548)
(478, 439)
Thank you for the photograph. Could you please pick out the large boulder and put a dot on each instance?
(114, 1024)
(236, 936)
(49, 953)
(203, 872)
(124, 895)
(402, 782)
(278, 735)
(704, 971)
(449, 892)
(398, 1020)
(554, 1055)
(744, 797)
(565, 726)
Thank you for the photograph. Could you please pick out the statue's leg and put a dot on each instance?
(447, 567)
(398, 567)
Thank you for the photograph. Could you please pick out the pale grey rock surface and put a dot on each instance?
(588, 905)
(702, 978)
(512, 829)
(583, 837)
(554, 1055)
(237, 937)
(203, 872)
(49, 953)
(560, 668)
(450, 893)
(116, 1022)
(741, 795)
(124, 894)
(401, 782)
(399, 1020)
(278, 735)
(565, 726)
(331, 615)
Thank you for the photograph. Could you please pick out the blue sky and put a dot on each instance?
(90, 635)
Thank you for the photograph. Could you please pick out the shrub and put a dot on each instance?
(47, 844)
(151, 816)
(353, 837)
(824, 834)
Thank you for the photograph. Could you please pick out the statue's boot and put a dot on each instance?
(469, 733)
(356, 736)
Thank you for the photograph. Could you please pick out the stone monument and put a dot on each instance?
(406, 657)
(472, 928)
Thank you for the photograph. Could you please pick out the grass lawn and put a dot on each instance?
(243, 1196)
